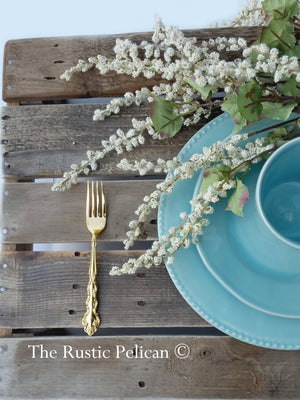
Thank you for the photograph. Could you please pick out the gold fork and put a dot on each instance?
(95, 222)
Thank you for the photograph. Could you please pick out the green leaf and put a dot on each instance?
(280, 8)
(279, 34)
(231, 106)
(294, 52)
(277, 110)
(214, 174)
(290, 88)
(238, 199)
(247, 100)
(164, 119)
(204, 91)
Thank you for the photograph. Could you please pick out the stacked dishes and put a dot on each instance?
(241, 277)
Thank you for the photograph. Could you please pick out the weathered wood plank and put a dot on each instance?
(5, 332)
(32, 66)
(222, 368)
(43, 141)
(48, 290)
(32, 213)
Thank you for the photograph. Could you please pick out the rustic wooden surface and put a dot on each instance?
(220, 368)
(32, 66)
(44, 140)
(48, 290)
(53, 217)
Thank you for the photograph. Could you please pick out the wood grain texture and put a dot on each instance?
(32, 66)
(48, 290)
(220, 368)
(5, 332)
(43, 141)
(32, 213)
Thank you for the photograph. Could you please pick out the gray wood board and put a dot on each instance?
(32, 213)
(48, 290)
(44, 140)
(222, 368)
(32, 67)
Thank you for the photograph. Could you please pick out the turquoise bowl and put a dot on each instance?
(278, 193)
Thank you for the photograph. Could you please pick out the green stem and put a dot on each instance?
(277, 99)
(277, 125)
(239, 168)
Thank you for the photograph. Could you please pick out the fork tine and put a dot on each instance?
(87, 212)
(97, 199)
(94, 211)
(103, 204)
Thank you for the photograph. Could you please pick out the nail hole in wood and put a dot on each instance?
(153, 221)
(204, 353)
(4, 141)
(5, 117)
(7, 166)
(58, 62)
(75, 286)
(71, 312)
(77, 253)
(141, 303)
(141, 275)
(49, 78)
(142, 384)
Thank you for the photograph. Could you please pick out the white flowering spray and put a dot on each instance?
(224, 164)
(260, 81)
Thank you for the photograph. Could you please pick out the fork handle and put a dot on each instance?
(91, 319)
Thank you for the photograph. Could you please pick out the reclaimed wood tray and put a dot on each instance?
(44, 352)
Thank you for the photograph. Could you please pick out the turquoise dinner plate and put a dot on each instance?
(204, 277)
(248, 260)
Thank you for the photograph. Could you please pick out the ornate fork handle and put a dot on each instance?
(91, 319)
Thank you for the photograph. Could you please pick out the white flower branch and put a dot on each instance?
(230, 153)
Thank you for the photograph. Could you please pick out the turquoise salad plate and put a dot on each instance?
(238, 277)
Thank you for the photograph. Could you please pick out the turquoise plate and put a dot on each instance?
(247, 259)
(229, 309)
